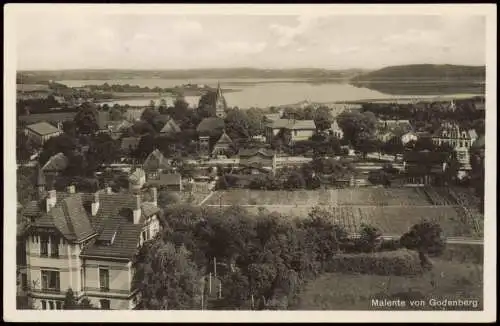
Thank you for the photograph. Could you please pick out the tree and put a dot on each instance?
(152, 105)
(425, 238)
(180, 108)
(116, 113)
(295, 181)
(357, 125)
(162, 107)
(366, 144)
(237, 125)
(167, 198)
(323, 118)
(369, 236)
(86, 120)
(424, 143)
(165, 277)
(149, 114)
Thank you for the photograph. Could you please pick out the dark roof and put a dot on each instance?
(170, 127)
(125, 238)
(51, 116)
(255, 151)
(57, 162)
(224, 139)
(43, 128)
(425, 157)
(208, 125)
(69, 217)
(166, 179)
(155, 161)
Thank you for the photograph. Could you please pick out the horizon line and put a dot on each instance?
(246, 67)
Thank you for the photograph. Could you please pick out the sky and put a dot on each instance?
(125, 41)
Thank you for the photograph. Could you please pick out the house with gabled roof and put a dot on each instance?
(223, 145)
(40, 132)
(258, 158)
(170, 127)
(86, 242)
(291, 130)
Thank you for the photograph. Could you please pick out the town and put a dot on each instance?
(100, 190)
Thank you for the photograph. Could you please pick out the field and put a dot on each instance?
(392, 210)
(450, 280)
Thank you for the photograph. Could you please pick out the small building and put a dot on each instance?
(155, 164)
(223, 146)
(42, 131)
(260, 157)
(424, 167)
(291, 130)
(170, 128)
(55, 165)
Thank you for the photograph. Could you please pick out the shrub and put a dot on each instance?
(400, 262)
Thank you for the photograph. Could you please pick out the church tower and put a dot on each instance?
(220, 103)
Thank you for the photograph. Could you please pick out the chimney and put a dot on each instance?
(95, 204)
(71, 189)
(154, 194)
(137, 211)
(108, 190)
(51, 200)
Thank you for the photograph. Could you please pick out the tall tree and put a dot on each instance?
(166, 278)
(86, 120)
(425, 238)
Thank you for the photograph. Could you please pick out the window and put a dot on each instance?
(44, 246)
(44, 305)
(148, 234)
(54, 247)
(104, 304)
(51, 305)
(58, 305)
(50, 280)
(104, 279)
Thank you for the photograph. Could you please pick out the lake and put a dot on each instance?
(258, 92)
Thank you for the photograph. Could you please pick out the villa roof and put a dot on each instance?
(69, 217)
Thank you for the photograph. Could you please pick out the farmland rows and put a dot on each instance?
(359, 196)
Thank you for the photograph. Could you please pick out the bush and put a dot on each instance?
(401, 262)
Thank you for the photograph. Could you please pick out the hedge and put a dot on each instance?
(399, 262)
